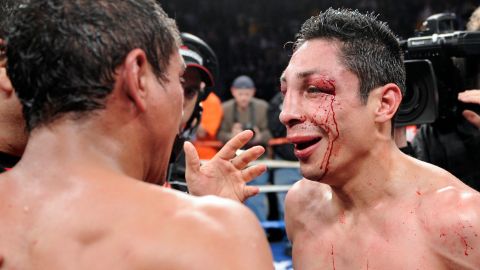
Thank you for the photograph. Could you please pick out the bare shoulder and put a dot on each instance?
(209, 232)
(451, 217)
(305, 190)
(305, 199)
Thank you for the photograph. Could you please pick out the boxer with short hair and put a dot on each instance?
(100, 86)
(366, 205)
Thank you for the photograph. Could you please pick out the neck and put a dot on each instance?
(12, 139)
(376, 179)
(76, 145)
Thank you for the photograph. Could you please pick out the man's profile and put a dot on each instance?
(94, 77)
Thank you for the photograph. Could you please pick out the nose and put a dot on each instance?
(291, 111)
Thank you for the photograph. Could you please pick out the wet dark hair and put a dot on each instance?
(6, 8)
(370, 49)
(62, 54)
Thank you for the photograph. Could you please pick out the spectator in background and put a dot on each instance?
(13, 137)
(245, 112)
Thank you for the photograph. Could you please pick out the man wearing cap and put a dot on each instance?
(197, 83)
(196, 78)
(243, 112)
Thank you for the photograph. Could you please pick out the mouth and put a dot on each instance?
(304, 146)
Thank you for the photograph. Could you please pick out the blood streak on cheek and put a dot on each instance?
(329, 122)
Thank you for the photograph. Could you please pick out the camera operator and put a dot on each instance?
(454, 146)
(201, 63)
(244, 112)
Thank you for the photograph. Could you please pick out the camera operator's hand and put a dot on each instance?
(236, 128)
(471, 96)
(226, 174)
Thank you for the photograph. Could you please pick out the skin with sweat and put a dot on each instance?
(366, 205)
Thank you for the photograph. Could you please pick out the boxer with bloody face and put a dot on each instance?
(365, 205)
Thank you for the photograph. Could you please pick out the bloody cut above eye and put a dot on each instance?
(327, 85)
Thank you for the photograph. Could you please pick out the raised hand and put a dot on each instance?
(226, 174)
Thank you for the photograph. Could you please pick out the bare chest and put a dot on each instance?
(391, 246)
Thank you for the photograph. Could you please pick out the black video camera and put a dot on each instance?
(440, 62)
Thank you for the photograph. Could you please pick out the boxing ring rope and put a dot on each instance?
(270, 163)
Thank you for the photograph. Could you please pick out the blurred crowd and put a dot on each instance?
(252, 39)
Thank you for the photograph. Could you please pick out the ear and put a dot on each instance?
(135, 71)
(389, 99)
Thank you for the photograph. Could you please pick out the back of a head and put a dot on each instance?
(62, 54)
(369, 48)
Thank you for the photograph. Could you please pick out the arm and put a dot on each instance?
(455, 234)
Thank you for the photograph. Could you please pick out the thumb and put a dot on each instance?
(192, 161)
(472, 117)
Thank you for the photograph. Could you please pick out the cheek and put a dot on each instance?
(324, 115)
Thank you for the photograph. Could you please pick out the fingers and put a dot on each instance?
(251, 172)
(192, 161)
(470, 96)
(228, 150)
(250, 191)
(247, 156)
(472, 117)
